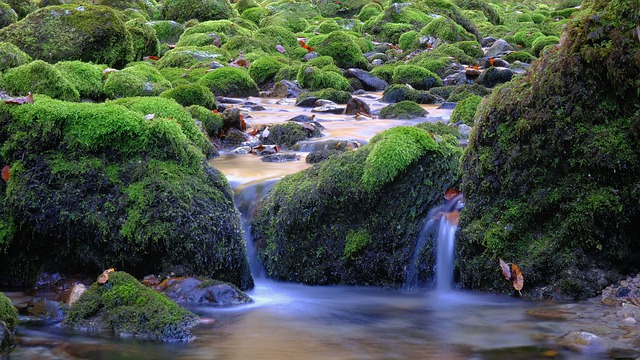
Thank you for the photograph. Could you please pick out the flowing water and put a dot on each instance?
(293, 321)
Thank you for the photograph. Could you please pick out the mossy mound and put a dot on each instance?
(343, 49)
(8, 312)
(39, 77)
(230, 81)
(22, 7)
(167, 31)
(522, 56)
(139, 79)
(551, 172)
(85, 77)
(95, 186)
(7, 15)
(415, 76)
(187, 57)
(312, 78)
(125, 307)
(192, 94)
(144, 39)
(365, 231)
(204, 10)
(337, 96)
(265, 69)
(446, 29)
(402, 110)
(401, 92)
(70, 32)
(288, 134)
(211, 122)
(466, 110)
(11, 56)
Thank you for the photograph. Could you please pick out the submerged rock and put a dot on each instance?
(192, 290)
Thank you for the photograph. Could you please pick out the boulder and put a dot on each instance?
(403, 110)
(369, 82)
(498, 48)
(494, 76)
(357, 106)
(285, 89)
(191, 290)
(8, 321)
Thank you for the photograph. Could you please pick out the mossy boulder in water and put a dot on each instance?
(192, 94)
(124, 307)
(120, 184)
(230, 81)
(343, 49)
(406, 109)
(355, 217)
(73, 32)
(8, 321)
(551, 172)
(183, 10)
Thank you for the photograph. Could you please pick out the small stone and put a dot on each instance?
(630, 320)
(624, 283)
(76, 291)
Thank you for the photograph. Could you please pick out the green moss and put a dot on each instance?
(492, 15)
(265, 69)
(255, 14)
(288, 19)
(140, 79)
(180, 76)
(417, 77)
(354, 242)
(541, 42)
(191, 94)
(229, 81)
(200, 39)
(368, 11)
(7, 15)
(68, 32)
(287, 134)
(242, 5)
(271, 36)
(470, 48)
(167, 31)
(538, 18)
(212, 122)
(440, 129)
(344, 51)
(401, 92)
(124, 306)
(337, 96)
(187, 57)
(566, 4)
(406, 40)
(447, 30)
(328, 26)
(22, 7)
(8, 312)
(460, 93)
(11, 56)
(384, 72)
(85, 77)
(405, 109)
(521, 55)
(391, 32)
(525, 38)
(144, 39)
(41, 78)
(225, 27)
(455, 52)
(466, 110)
(183, 10)
(314, 79)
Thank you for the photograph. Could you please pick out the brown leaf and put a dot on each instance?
(451, 193)
(517, 278)
(152, 57)
(452, 217)
(22, 100)
(6, 173)
(506, 272)
(105, 276)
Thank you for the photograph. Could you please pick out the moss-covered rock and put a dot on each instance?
(8, 312)
(405, 109)
(466, 110)
(288, 134)
(344, 51)
(167, 31)
(312, 78)
(144, 39)
(125, 307)
(230, 81)
(415, 76)
(11, 56)
(368, 11)
(70, 32)
(541, 42)
(192, 94)
(183, 10)
(211, 122)
(522, 56)
(291, 20)
(187, 57)
(254, 14)
(401, 92)
(265, 69)
(7, 15)
(446, 29)
(85, 77)
(139, 79)
(365, 230)
(95, 186)
(22, 7)
(39, 77)
(337, 96)
(551, 171)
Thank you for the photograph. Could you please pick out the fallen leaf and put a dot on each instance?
(452, 217)
(152, 57)
(491, 61)
(451, 193)
(550, 353)
(22, 100)
(6, 173)
(105, 276)
(506, 272)
(517, 278)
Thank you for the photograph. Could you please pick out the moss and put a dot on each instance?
(144, 39)
(230, 81)
(255, 14)
(167, 31)
(493, 16)
(180, 76)
(314, 79)
(470, 48)
(287, 73)
(124, 306)
(22, 7)
(200, 39)
(290, 20)
(391, 32)
(303, 224)
(419, 78)
(265, 69)
(538, 18)
(525, 38)
(466, 110)
(288, 134)
(407, 39)
(447, 30)
(320, 61)
(140, 79)
(11, 56)
(401, 92)
(566, 4)
(460, 93)
(344, 51)
(39, 77)
(541, 42)
(440, 129)
(368, 11)
(455, 52)
(187, 57)
(337, 96)
(7, 15)
(405, 109)
(225, 27)
(183, 10)
(68, 32)
(191, 94)
(8, 312)
(242, 5)
(522, 56)
(212, 122)
(328, 26)
(384, 72)
(85, 77)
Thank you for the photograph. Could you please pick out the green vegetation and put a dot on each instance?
(11, 56)
(8, 312)
(7, 15)
(354, 242)
(401, 92)
(139, 79)
(405, 109)
(415, 76)
(230, 81)
(465, 110)
(337, 96)
(211, 122)
(85, 77)
(288, 134)
(265, 69)
(144, 39)
(314, 79)
(343, 49)
(541, 42)
(447, 30)
(167, 31)
(522, 56)
(39, 77)
(183, 10)
(191, 94)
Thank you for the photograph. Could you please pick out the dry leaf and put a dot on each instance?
(6, 173)
(105, 276)
(452, 217)
(152, 57)
(506, 272)
(517, 278)
(451, 193)
(22, 100)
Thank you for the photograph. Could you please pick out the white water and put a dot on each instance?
(445, 255)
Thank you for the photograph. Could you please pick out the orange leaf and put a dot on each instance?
(105, 276)
(6, 173)
(506, 272)
(152, 57)
(491, 61)
(452, 217)
(451, 193)
(474, 66)
(19, 101)
(517, 278)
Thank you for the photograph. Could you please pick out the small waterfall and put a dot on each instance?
(444, 255)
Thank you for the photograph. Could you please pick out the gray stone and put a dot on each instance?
(285, 89)
(499, 47)
(369, 82)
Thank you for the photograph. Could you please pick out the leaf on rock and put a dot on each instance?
(105, 276)
(517, 278)
(152, 57)
(6, 173)
(451, 193)
(21, 100)
(506, 272)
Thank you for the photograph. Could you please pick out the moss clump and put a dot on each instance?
(552, 166)
(140, 79)
(167, 31)
(254, 14)
(405, 109)
(242, 5)
(470, 48)
(401, 92)
(455, 52)
(466, 110)
(85, 77)
(344, 51)
(542, 42)
(522, 56)
(288, 134)
(22, 7)
(291, 20)
(187, 57)
(8, 312)
(369, 11)
(460, 93)
(229, 81)
(415, 76)
(314, 79)
(446, 29)
(144, 39)
(309, 229)
(211, 122)
(440, 129)
(265, 69)
(39, 77)
(191, 94)
(98, 185)
(124, 306)
(11, 56)
(183, 10)
(337, 96)
(492, 15)
(7, 15)
(134, 9)
(71, 32)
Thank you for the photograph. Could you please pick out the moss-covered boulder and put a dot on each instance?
(289, 133)
(147, 9)
(211, 122)
(551, 172)
(7, 15)
(8, 321)
(312, 78)
(405, 109)
(123, 306)
(230, 81)
(192, 94)
(139, 79)
(167, 31)
(355, 217)
(465, 110)
(144, 39)
(343, 49)
(119, 184)
(183, 10)
(39, 77)
(22, 7)
(72, 32)
(446, 29)
(401, 92)
(11, 56)
(415, 76)
(264, 69)
(85, 77)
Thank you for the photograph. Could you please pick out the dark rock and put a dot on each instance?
(302, 118)
(448, 105)
(215, 65)
(377, 62)
(400, 92)
(285, 89)
(328, 144)
(307, 102)
(488, 41)
(357, 106)
(190, 290)
(372, 56)
(280, 157)
(471, 73)
(315, 157)
(6, 338)
(332, 108)
(228, 100)
(403, 110)
(370, 82)
(234, 137)
(47, 280)
(289, 133)
(44, 308)
(499, 47)
(458, 78)
(494, 76)
(497, 62)
(231, 118)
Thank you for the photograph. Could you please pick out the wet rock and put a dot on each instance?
(488, 41)
(202, 291)
(241, 150)
(357, 106)
(150, 280)
(307, 102)
(377, 62)
(311, 55)
(215, 65)
(231, 118)
(278, 158)
(464, 130)
(583, 341)
(369, 82)
(372, 56)
(471, 73)
(47, 280)
(45, 308)
(76, 291)
(331, 108)
(329, 144)
(497, 62)
(448, 105)
(302, 118)
(498, 48)
(285, 89)
(234, 137)
(494, 76)
(228, 100)
(6, 337)
(458, 78)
